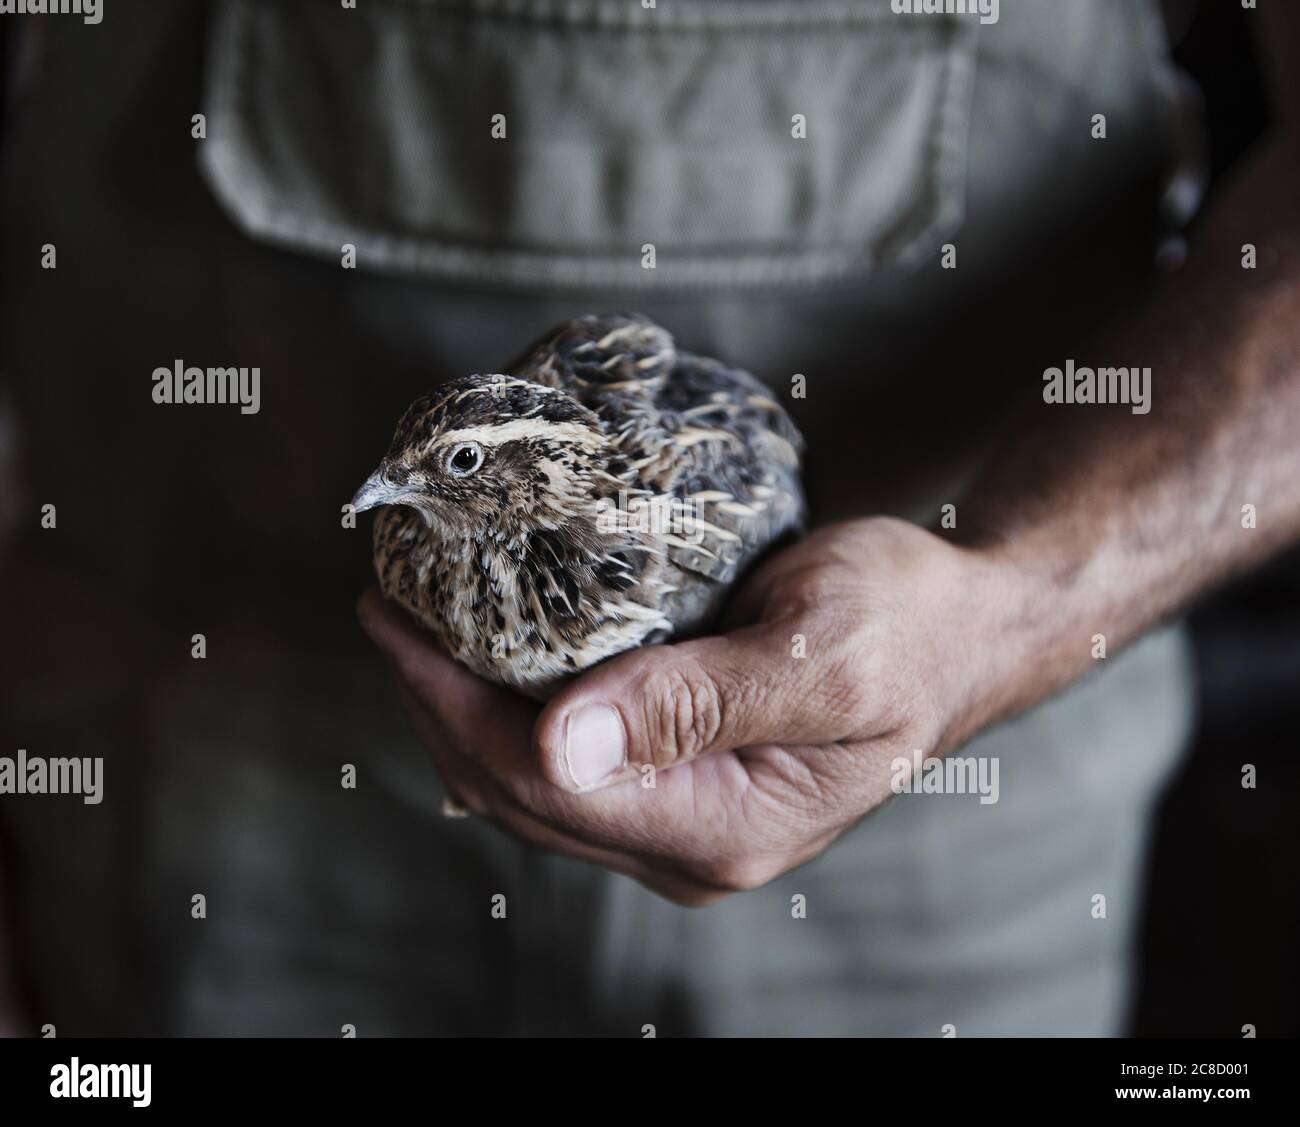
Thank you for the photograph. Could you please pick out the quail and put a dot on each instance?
(603, 492)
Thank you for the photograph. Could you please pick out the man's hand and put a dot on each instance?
(715, 765)
(1091, 521)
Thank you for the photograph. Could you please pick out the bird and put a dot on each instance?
(602, 492)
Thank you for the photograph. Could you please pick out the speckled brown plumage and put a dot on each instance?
(603, 492)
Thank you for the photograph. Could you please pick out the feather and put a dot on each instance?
(620, 488)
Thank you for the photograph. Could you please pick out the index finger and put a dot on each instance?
(473, 711)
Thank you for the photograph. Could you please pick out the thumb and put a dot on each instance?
(665, 705)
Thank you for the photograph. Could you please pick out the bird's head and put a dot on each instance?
(492, 455)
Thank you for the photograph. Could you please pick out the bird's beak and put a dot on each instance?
(378, 490)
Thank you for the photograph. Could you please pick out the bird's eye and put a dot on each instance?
(465, 459)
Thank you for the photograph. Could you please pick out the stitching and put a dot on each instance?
(229, 175)
(670, 15)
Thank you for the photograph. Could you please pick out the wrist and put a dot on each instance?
(1028, 632)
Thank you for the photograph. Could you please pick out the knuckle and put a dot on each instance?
(734, 874)
(685, 712)
(811, 592)
(695, 897)
(795, 598)
(843, 688)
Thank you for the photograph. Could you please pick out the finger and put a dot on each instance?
(471, 798)
(665, 705)
(475, 787)
(748, 603)
(453, 809)
(773, 589)
(465, 717)
(481, 753)
(473, 712)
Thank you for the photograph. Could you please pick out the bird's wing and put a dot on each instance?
(708, 443)
(610, 361)
(727, 451)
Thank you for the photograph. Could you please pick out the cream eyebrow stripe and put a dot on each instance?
(494, 434)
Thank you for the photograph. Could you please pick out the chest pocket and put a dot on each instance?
(752, 142)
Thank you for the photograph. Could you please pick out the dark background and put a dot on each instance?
(1221, 938)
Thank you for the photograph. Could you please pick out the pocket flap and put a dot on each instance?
(676, 126)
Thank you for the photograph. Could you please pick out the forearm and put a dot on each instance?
(1102, 521)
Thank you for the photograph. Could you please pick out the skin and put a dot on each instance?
(1091, 521)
